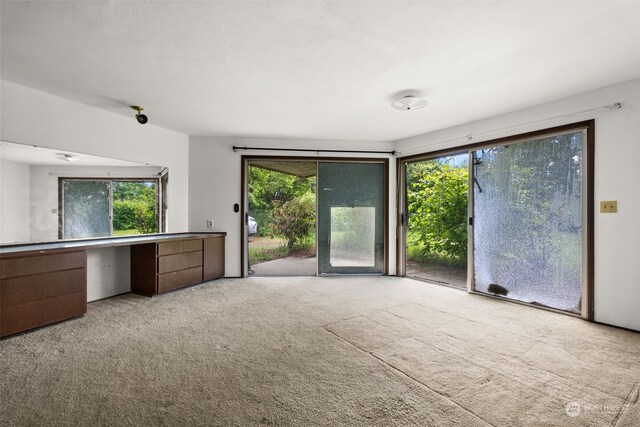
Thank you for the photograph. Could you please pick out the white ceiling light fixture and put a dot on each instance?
(67, 157)
(409, 101)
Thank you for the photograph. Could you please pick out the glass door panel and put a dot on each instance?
(87, 209)
(353, 238)
(528, 199)
(281, 214)
(436, 219)
(351, 217)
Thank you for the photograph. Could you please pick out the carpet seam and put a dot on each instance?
(473, 321)
(505, 358)
(343, 320)
(635, 390)
(387, 326)
(410, 377)
(534, 341)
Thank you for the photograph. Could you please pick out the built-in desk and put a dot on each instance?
(45, 283)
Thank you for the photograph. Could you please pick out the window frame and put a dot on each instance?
(588, 310)
(61, 180)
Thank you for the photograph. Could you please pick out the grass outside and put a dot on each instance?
(130, 232)
(416, 254)
(262, 249)
(258, 255)
(435, 267)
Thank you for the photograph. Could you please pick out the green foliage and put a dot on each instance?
(134, 206)
(145, 219)
(123, 214)
(416, 253)
(537, 191)
(437, 203)
(258, 255)
(268, 190)
(295, 219)
(134, 190)
(352, 229)
(306, 243)
(263, 219)
(134, 214)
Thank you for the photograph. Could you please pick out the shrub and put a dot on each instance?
(437, 199)
(130, 214)
(295, 219)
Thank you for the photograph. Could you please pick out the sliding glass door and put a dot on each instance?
(351, 217)
(436, 220)
(310, 216)
(530, 216)
(528, 221)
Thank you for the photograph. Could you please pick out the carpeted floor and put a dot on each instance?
(353, 351)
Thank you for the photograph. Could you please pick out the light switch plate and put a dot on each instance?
(609, 206)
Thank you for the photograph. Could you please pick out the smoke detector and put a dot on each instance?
(409, 101)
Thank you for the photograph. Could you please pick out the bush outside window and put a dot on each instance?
(108, 207)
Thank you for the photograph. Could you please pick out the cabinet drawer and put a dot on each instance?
(41, 264)
(27, 289)
(23, 317)
(213, 256)
(178, 279)
(181, 261)
(168, 248)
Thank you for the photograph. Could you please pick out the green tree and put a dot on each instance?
(135, 190)
(295, 219)
(134, 206)
(145, 219)
(536, 188)
(437, 204)
(269, 189)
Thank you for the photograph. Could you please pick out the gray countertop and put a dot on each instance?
(101, 242)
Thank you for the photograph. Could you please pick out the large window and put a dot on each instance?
(528, 220)
(529, 232)
(98, 207)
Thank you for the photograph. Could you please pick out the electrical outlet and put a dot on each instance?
(209, 223)
(609, 206)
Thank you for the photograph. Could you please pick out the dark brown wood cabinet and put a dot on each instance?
(213, 257)
(165, 266)
(45, 283)
(40, 289)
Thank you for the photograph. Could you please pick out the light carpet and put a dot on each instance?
(353, 351)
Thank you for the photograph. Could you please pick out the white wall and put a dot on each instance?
(33, 117)
(14, 202)
(108, 272)
(617, 139)
(215, 183)
(44, 191)
(29, 116)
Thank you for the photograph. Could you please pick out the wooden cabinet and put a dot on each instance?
(38, 289)
(165, 266)
(45, 283)
(213, 257)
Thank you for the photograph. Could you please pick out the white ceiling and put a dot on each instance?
(317, 69)
(32, 155)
